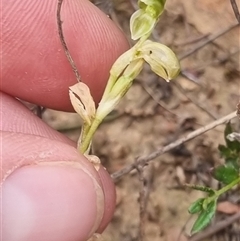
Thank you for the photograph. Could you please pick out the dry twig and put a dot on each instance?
(141, 203)
(61, 36)
(146, 180)
(195, 102)
(238, 109)
(204, 43)
(145, 159)
(191, 40)
(217, 61)
(235, 10)
(151, 93)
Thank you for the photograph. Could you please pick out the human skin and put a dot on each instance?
(50, 191)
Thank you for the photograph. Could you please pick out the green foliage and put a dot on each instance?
(196, 207)
(205, 216)
(229, 171)
(228, 174)
(202, 188)
(234, 146)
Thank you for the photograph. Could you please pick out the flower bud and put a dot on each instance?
(143, 20)
(152, 7)
(141, 24)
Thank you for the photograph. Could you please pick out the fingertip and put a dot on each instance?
(50, 203)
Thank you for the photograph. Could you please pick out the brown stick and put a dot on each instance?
(235, 10)
(142, 209)
(61, 36)
(145, 159)
(210, 39)
(201, 106)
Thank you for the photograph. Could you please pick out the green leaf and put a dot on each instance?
(233, 161)
(201, 188)
(232, 145)
(196, 207)
(224, 151)
(205, 217)
(226, 173)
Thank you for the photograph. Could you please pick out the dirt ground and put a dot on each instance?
(155, 113)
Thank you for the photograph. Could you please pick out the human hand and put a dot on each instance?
(49, 191)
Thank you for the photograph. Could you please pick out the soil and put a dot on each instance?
(155, 113)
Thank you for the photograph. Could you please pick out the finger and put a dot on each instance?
(110, 199)
(50, 203)
(35, 67)
(30, 143)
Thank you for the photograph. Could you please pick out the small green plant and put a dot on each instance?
(228, 174)
(161, 59)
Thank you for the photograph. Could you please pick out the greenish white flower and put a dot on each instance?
(161, 59)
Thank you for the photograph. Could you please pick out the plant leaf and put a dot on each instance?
(226, 173)
(196, 207)
(82, 101)
(201, 188)
(232, 145)
(224, 151)
(205, 217)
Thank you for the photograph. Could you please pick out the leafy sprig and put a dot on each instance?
(228, 174)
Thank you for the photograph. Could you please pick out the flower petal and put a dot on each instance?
(82, 101)
(162, 59)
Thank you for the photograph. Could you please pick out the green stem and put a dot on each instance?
(110, 84)
(88, 137)
(223, 190)
(84, 132)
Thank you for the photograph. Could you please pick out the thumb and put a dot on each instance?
(49, 191)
